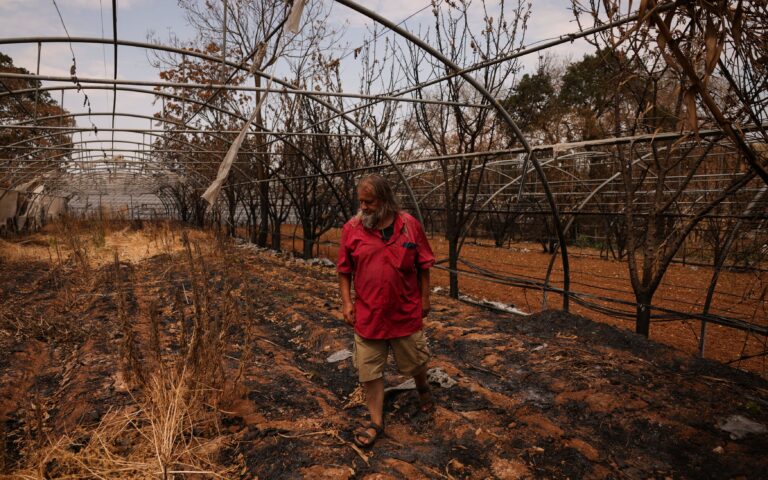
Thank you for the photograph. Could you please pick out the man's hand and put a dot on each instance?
(426, 307)
(348, 309)
(347, 305)
(424, 288)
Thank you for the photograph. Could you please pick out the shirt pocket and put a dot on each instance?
(407, 257)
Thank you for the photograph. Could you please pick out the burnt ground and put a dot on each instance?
(550, 395)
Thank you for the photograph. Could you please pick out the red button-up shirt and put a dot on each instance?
(385, 275)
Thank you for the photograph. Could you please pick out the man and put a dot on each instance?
(386, 253)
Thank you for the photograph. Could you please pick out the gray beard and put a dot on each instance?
(370, 220)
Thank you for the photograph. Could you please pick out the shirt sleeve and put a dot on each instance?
(424, 256)
(344, 264)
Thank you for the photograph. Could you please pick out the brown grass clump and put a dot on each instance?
(172, 426)
(159, 439)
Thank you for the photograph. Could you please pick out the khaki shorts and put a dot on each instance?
(411, 355)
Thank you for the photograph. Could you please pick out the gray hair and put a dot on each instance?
(382, 191)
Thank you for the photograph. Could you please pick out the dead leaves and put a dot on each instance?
(355, 399)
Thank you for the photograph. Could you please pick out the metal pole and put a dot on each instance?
(114, 89)
(719, 266)
(221, 86)
(224, 44)
(37, 85)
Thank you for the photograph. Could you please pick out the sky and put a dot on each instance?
(138, 19)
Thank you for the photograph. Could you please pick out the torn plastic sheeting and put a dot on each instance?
(339, 356)
(323, 262)
(434, 375)
(213, 189)
(739, 427)
(261, 52)
(8, 203)
(437, 375)
(294, 18)
(492, 304)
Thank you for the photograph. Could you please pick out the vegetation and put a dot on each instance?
(653, 144)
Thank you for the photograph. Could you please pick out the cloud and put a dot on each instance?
(106, 5)
(26, 18)
(14, 5)
(551, 19)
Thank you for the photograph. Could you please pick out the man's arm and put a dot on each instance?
(424, 288)
(347, 307)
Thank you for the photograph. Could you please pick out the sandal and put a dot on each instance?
(363, 438)
(426, 399)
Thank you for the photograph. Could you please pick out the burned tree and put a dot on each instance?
(451, 131)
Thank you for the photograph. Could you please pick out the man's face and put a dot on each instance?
(369, 206)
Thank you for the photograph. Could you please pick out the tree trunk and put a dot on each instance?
(264, 205)
(643, 320)
(262, 174)
(453, 265)
(276, 235)
(231, 230)
(309, 243)
(200, 207)
(254, 223)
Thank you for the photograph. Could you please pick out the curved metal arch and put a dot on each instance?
(145, 179)
(86, 197)
(141, 161)
(32, 171)
(237, 88)
(76, 189)
(499, 110)
(98, 169)
(204, 181)
(60, 146)
(436, 187)
(568, 225)
(123, 148)
(31, 175)
(547, 162)
(282, 137)
(147, 92)
(514, 180)
(161, 133)
(118, 114)
(240, 67)
(431, 170)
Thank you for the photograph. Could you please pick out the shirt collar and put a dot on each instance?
(399, 228)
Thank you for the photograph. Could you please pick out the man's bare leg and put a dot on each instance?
(425, 394)
(374, 397)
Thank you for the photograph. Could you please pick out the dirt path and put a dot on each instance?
(548, 395)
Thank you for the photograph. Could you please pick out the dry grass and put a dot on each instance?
(158, 439)
(172, 428)
(92, 242)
